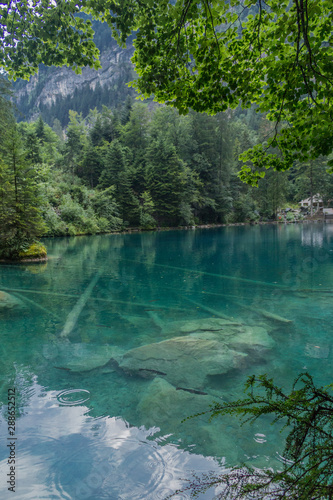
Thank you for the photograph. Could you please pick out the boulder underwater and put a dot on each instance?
(208, 324)
(245, 338)
(82, 357)
(166, 407)
(215, 346)
(162, 403)
(9, 302)
(186, 361)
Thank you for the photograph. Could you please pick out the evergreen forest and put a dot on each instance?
(143, 165)
(234, 126)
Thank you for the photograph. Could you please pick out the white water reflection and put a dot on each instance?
(313, 236)
(63, 453)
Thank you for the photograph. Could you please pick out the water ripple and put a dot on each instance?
(260, 438)
(72, 397)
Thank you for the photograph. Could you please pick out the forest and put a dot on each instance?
(262, 72)
(143, 165)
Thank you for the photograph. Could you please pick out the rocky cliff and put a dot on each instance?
(54, 87)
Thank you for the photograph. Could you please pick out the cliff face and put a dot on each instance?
(54, 85)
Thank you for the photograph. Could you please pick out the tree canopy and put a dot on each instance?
(45, 31)
(208, 55)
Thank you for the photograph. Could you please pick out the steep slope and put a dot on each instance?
(54, 91)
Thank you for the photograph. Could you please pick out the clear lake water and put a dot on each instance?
(116, 339)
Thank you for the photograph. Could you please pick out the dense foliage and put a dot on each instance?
(206, 55)
(21, 223)
(143, 167)
(44, 32)
(210, 55)
(135, 167)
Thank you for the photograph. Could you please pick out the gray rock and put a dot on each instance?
(163, 404)
(83, 357)
(186, 361)
(207, 324)
(240, 338)
(202, 324)
(8, 301)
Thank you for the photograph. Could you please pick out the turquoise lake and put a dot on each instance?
(118, 338)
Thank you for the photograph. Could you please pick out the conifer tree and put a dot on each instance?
(164, 180)
(21, 223)
(76, 139)
(117, 173)
(96, 133)
(39, 129)
(91, 165)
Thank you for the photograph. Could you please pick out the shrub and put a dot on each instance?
(71, 211)
(147, 221)
(103, 224)
(55, 226)
(186, 214)
(290, 217)
(89, 226)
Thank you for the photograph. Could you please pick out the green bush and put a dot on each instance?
(71, 211)
(103, 224)
(80, 195)
(71, 230)
(55, 226)
(290, 217)
(147, 221)
(89, 226)
(186, 214)
(116, 223)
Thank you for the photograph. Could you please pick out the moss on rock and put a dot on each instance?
(36, 251)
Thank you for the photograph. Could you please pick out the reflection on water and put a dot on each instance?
(118, 338)
(65, 454)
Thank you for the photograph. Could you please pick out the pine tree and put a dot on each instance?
(76, 139)
(96, 133)
(21, 223)
(117, 173)
(164, 180)
(126, 110)
(91, 165)
(39, 129)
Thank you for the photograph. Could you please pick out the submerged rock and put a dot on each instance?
(163, 404)
(241, 338)
(215, 347)
(8, 301)
(202, 324)
(186, 361)
(208, 324)
(83, 357)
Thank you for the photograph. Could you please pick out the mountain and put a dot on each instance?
(53, 91)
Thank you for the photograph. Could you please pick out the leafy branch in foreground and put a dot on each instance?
(208, 55)
(308, 469)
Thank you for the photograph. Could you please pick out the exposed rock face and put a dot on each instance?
(64, 81)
